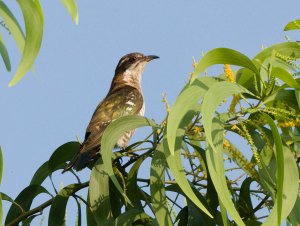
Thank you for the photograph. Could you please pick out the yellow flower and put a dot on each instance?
(228, 72)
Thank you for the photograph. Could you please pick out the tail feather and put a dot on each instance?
(79, 162)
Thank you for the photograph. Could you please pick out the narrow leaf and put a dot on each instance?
(279, 166)
(71, 7)
(286, 77)
(4, 54)
(290, 188)
(62, 154)
(157, 187)
(293, 25)
(175, 165)
(40, 175)
(285, 49)
(34, 24)
(187, 101)
(211, 101)
(224, 56)
(99, 195)
(59, 204)
(13, 25)
(214, 158)
(131, 216)
(111, 134)
(24, 199)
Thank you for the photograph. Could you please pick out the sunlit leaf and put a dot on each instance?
(133, 191)
(286, 49)
(90, 220)
(187, 101)
(287, 189)
(4, 54)
(279, 166)
(293, 25)
(175, 165)
(157, 187)
(211, 101)
(214, 158)
(285, 76)
(71, 7)
(13, 25)
(112, 133)
(223, 56)
(99, 195)
(34, 24)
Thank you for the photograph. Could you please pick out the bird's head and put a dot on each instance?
(131, 66)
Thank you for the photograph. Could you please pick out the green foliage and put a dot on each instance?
(196, 175)
(29, 42)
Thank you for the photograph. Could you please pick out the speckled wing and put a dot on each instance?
(126, 100)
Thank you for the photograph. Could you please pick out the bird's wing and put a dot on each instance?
(124, 101)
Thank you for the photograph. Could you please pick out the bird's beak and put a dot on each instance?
(151, 57)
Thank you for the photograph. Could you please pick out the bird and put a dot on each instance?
(125, 97)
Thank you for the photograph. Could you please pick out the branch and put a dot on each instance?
(41, 207)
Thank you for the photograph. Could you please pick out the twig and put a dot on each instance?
(41, 207)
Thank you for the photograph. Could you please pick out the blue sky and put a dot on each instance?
(76, 63)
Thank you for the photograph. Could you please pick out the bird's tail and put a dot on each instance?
(80, 161)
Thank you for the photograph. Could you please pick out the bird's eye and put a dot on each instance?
(132, 59)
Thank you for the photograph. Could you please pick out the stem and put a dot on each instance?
(41, 207)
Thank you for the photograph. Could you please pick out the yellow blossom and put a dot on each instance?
(228, 72)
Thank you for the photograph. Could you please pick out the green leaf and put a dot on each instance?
(62, 154)
(187, 101)
(175, 165)
(285, 48)
(214, 158)
(59, 204)
(285, 76)
(224, 56)
(24, 199)
(297, 94)
(292, 25)
(244, 204)
(13, 25)
(294, 216)
(9, 199)
(132, 216)
(211, 101)
(90, 220)
(99, 197)
(110, 136)
(71, 7)
(286, 189)
(34, 24)
(4, 54)
(182, 217)
(157, 187)
(279, 166)
(78, 220)
(132, 189)
(40, 175)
